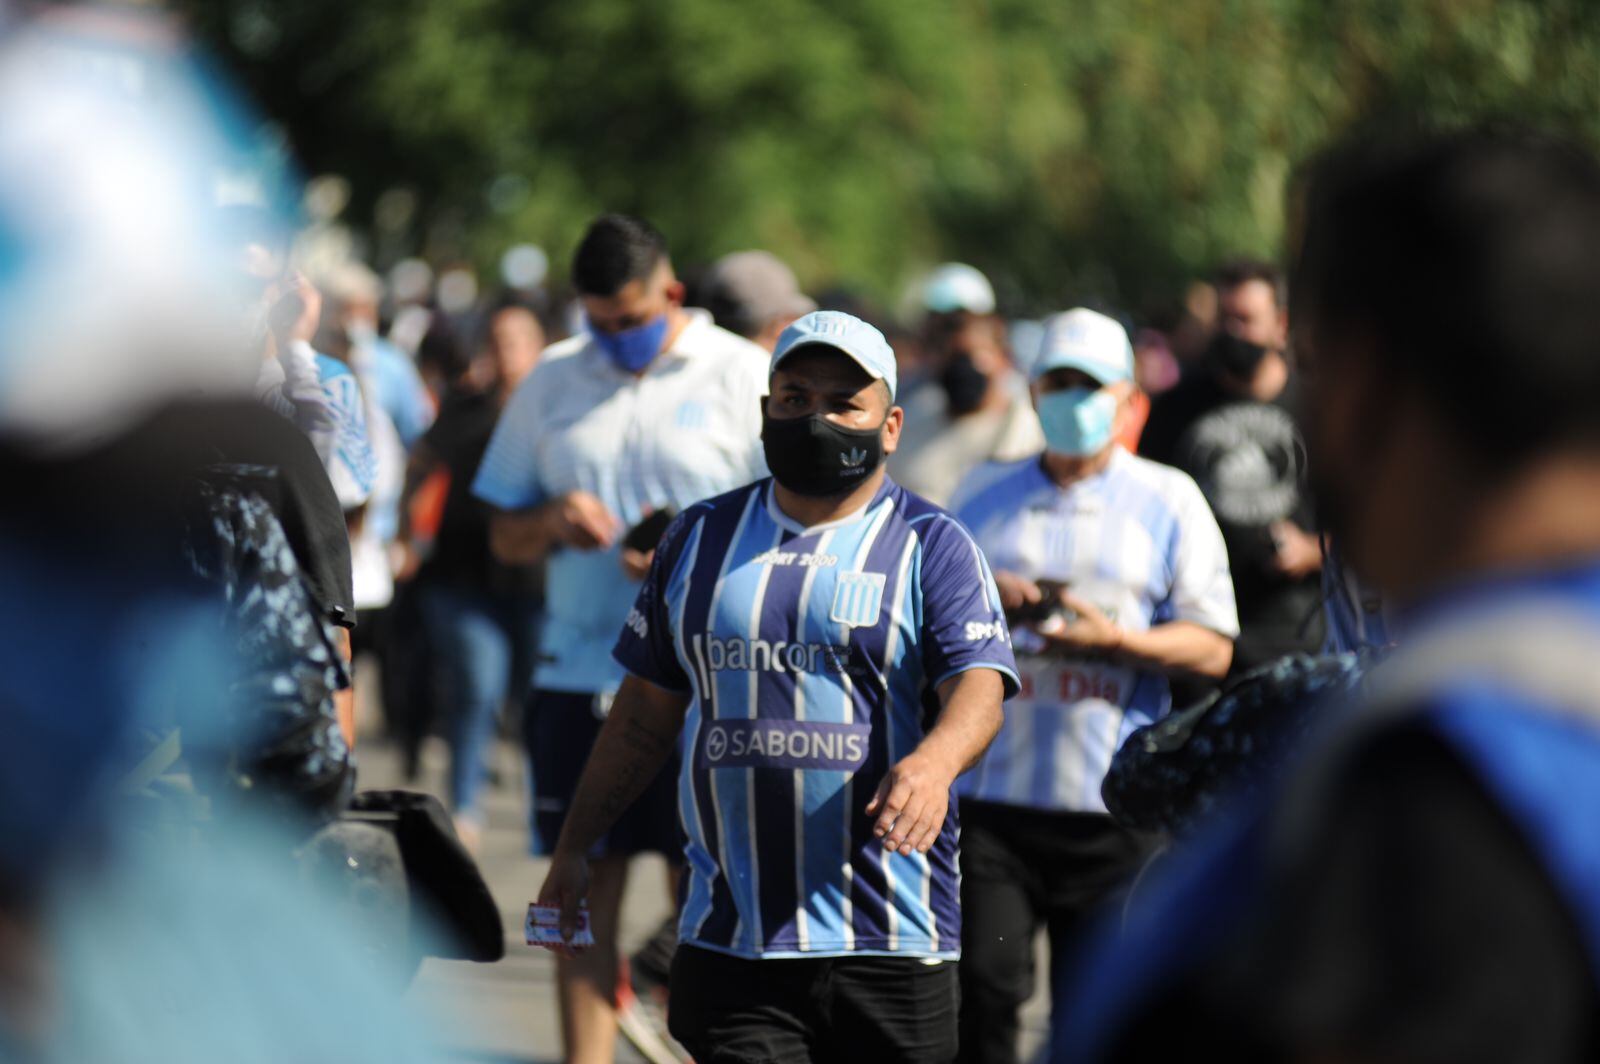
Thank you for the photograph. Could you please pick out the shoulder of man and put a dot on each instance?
(558, 358)
(1172, 484)
(555, 370)
(938, 531)
(739, 362)
(707, 335)
(991, 490)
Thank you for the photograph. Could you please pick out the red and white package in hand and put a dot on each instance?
(543, 928)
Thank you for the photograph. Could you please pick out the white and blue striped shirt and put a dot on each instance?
(1136, 540)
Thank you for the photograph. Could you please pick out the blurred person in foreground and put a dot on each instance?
(1425, 886)
(650, 410)
(832, 651)
(973, 409)
(127, 930)
(1115, 577)
(481, 616)
(1231, 424)
(754, 294)
(133, 927)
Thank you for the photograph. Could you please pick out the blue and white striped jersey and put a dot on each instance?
(1139, 541)
(811, 657)
(351, 463)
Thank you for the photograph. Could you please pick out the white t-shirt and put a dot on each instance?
(687, 429)
(1139, 541)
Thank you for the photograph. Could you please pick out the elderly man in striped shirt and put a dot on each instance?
(1115, 576)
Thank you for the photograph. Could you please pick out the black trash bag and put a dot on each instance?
(283, 747)
(1171, 775)
(452, 909)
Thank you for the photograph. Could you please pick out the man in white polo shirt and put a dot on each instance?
(651, 410)
(1115, 578)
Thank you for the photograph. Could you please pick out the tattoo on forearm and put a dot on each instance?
(644, 748)
(641, 737)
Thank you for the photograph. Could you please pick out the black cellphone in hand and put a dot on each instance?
(1048, 606)
(645, 536)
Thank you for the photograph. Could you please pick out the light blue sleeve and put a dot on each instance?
(508, 476)
(404, 396)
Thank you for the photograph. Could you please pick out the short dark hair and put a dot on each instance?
(1236, 272)
(441, 348)
(617, 249)
(1471, 262)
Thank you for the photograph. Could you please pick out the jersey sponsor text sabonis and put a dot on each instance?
(811, 658)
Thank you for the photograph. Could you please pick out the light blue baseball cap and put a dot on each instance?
(864, 344)
(957, 286)
(1088, 341)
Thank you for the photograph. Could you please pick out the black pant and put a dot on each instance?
(1020, 868)
(727, 1010)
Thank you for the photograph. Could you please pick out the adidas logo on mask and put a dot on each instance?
(853, 458)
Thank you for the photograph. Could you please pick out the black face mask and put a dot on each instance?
(813, 456)
(964, 385)
(1235, 356)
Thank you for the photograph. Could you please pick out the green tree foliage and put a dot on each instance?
(1071, 148)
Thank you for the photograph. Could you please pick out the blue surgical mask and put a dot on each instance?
(631, 350)
(1077, 421)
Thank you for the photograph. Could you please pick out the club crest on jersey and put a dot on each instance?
(857, 599)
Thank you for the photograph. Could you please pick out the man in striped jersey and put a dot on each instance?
(1120, 567)
(833, 651)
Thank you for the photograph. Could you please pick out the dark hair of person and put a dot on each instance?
(442, 348)
(1468, 265)
(616, 250)
(483, 325)
(1236, 272)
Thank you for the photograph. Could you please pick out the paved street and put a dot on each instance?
(506, 1012)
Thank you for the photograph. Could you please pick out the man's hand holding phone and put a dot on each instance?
(580, 520)
(639, 545)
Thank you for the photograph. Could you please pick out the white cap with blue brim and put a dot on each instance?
(845, 333)
(1087, 341)
(957, 286)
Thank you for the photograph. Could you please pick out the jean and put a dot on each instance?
(484, 649)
